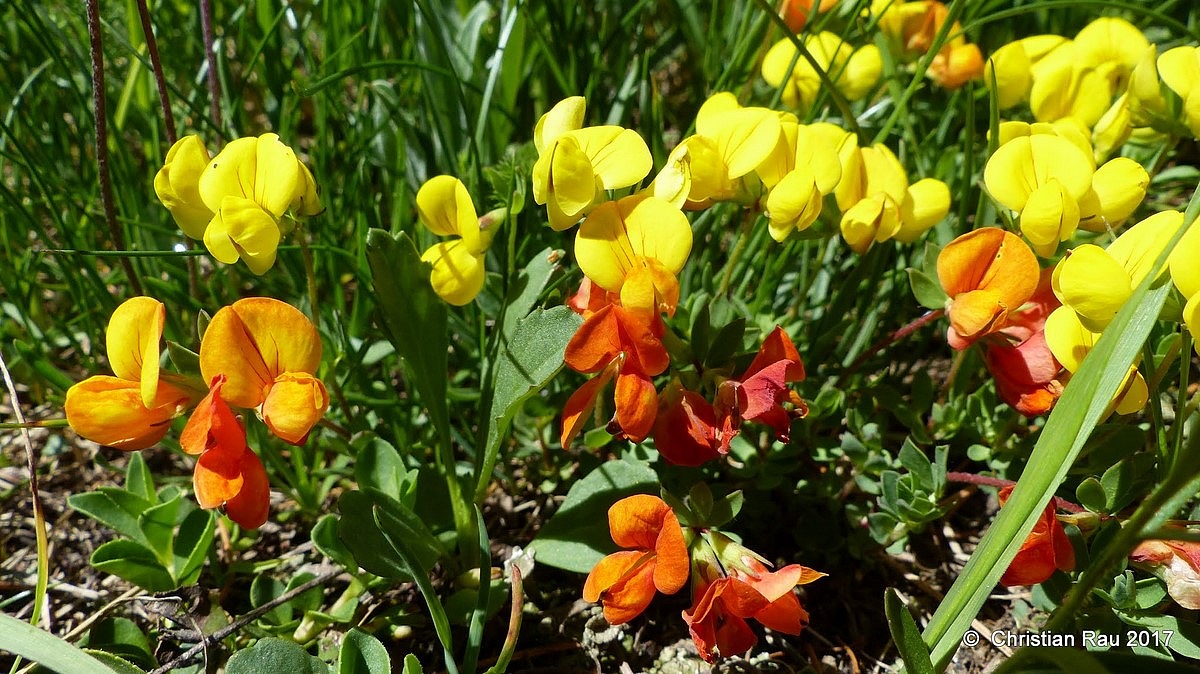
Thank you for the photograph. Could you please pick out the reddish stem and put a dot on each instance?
(972, 478)
(156, 64)
(893, 337)
(214, 84)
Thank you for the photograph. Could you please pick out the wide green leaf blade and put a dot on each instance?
(20, 638)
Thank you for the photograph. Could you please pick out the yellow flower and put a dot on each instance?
(635, 247)
(251, 186)
(1112, 46)
(444, 206)
(807, 170)
(1065, 87)
(729, 144)
(1185, 271)
(1095, 282)
(1179, 69)
(177, 184)
(877, 202)
(854, 71)
(1070, 342)
(1042, 177)
(1012, 67)
(577, 164)
(134, 408)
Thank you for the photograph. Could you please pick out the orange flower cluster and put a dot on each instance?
(727, 589)
(258, 353)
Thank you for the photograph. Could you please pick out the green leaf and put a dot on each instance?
(912, 458)
(531, 358)
(725, 509)
(115, 508)
(138, 480)
(20, 638)
(135, 563)
(577, 536)
(414, 318)
(1056, 659)
(192, 544)
(1090, 494)
(412, 665)
(524, 292)
(274, 656)
(158, 525)
(399, 524)
(265, 589)
(362, 653)
(361, 535)
(906, 634)
(378, 466)
(115, 662)
(122, 637)
(184, 359)
(727, 342)
(325, 538)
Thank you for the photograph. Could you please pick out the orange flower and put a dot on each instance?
(761, 391)
(228, 473)
(1047, 548)
(1026, 372)
(685, 430)
(717, 621)
(625, 582)
(987, 274)
(269, 352)
(795, 13)
(624, 344)
(1177, 563)
(134, 409)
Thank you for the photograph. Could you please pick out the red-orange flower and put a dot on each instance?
(761, 391)
(717, 621)
(685, 430)
(1047, 548)
(1177, 563)
(1026, 371)
(620, 343)
(228, 473)
(987, 274)
(657, 558)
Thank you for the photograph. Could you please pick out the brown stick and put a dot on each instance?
(101, 115)
(214, 83)
(156, 65)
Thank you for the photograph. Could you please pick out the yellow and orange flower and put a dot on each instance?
(269, 353)
(987, 274)
(656, 559)
(134, 408)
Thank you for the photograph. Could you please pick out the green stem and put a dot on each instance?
(743, 240)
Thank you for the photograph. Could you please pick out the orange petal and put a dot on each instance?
(635, 521)
(253, 502)
(785, 614)
(776, 347)
(989, 259)
(624, 583)
(254, 341)
(595, 343)
(109, 411)
(581, 403)
(218, 475)
(637, 405)
(212, 423)
(976, 313)
(294, 404)
(672, 562)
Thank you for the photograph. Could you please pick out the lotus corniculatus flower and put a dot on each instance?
(445, 208)
(987, 274)
(1046, 549)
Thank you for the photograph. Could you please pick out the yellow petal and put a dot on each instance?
(294, 404)
(308, 203)
(1050, 215)
(1120, 186)
(926, 202)
(1068, 340)
(110, 411)
(230, 173)
(1020, 166)
(794, 203)
(242, 229)
(783, 155)
(1010, 66)
(458, 273)
(874, 219)
(254, 341)
(619, 157)
(1139, 247)
(566, 115)
(1110, 41)
(444, 206)
(1179, 69)
(744, 139)
(1191, 318)
(573, 182)
(861, 73)
(1185, 263)
(177, 185)
(714, 107)
(617, 236)
(133, 337)
(1133, 394)
(884, 172)
(674, 182)
(1146, 100)
(1093, 284)
(278, 180)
